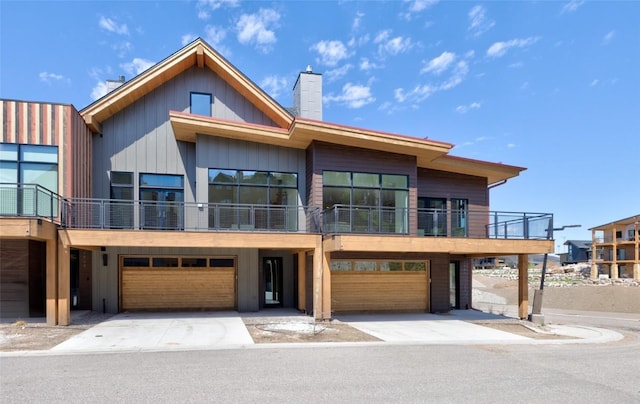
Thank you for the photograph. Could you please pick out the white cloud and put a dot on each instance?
(499, 49)
(459, 73)
(391, 46)
(112, 26)
(608, 37)
(353, 96)
(99, 90)
(205, 7)
(335, 74)
(594, 82)
(274, 85)
(366, 64)
(439, 64)
(187, 38)
(571, 6)
(136, 66)
(515, 65)
(357, 20)
(330, 52)
(122, 48)
(524, 85)
(419, 93)
(258, 28)
(48, 78)
(478, 22)
(417, 6)
(511, 145)
(214, 35)
(463, 109)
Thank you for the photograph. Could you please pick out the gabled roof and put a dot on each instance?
(584, 244)
(197, 53)
(622, 222)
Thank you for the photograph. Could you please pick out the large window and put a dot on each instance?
(365, 202)
(30, 166)
(121, 204)
(200, 104)
(248, 199)
(377, 266)
(162, 197)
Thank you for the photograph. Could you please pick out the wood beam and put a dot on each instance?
(448, 245)
(133, 238)
(52, 281)
(302, 281)
(200, 56)
(31, 228)
(523, 286)
(326, 286)
(317, 282)
(64, 282)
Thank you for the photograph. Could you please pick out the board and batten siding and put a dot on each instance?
(48, 124)
(442, 184)
(225, 153)
(326, 156)
(140, 138)
(106, 282)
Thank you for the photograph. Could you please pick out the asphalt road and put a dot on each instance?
(395, 373)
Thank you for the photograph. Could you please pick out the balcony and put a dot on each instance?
(341, 219)
(28, 200)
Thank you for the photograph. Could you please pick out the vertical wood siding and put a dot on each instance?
(325, 156)
(52, 125)
(442, 184)
(440, 283)
(140, 139)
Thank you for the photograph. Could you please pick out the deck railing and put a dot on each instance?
(29, 200)
(32, 200)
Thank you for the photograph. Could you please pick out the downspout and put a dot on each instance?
(496, 184)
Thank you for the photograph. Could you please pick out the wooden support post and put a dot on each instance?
(52, 281)
(326, 286)
(64, 283)
(614, 271)
(594, 271)
(302, 281)
(636, 272)
(317, 281)
(523, 286)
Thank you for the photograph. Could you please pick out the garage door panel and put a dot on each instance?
(177, 289)
(354, 292)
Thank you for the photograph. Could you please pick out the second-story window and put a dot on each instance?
(200, 104)
(121, 204)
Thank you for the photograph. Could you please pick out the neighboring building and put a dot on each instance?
(617, 246)
(577, 251)
(208, 194)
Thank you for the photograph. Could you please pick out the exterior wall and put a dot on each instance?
(218, 152)
(140, 138)
(22, 271)
(52, 125)
(465, 281)
(442, 184)
(106, 278)
(326, 156)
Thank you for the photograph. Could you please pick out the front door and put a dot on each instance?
(272, 270)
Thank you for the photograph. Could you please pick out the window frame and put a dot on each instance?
(193, 95)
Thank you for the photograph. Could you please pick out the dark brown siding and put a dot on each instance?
(309, 285)
(442, 184)
(465, 281)
(14, 278)
(440, 283)
(37, 278)
(326, 156)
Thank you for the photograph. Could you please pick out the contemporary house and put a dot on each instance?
(617, 247)
(189, 188)
(577, 251)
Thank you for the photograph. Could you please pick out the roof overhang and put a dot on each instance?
(199, 54)
(494, 172)
(622, 222)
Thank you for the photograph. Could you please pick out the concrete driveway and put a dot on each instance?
(161, 331)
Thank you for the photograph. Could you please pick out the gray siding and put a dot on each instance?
(106, 282)
(140, 138)
(217, 152)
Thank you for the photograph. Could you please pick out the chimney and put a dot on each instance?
(113, 84)
(307, 95)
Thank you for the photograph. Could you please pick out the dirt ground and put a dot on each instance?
(275, 331)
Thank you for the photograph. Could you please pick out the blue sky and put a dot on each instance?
(551, 86)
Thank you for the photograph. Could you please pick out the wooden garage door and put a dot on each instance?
(380, 290)
(171, 283)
